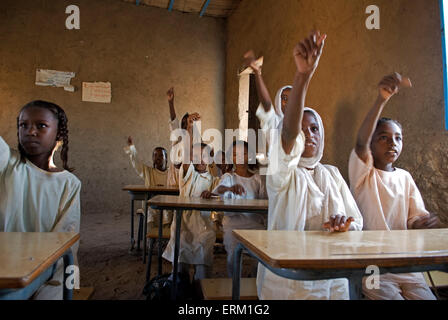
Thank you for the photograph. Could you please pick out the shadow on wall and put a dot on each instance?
(345, 127)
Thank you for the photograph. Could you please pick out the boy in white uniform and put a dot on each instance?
(197, 235)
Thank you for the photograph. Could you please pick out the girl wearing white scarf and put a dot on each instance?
(303, 193)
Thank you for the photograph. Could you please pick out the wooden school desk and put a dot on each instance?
(140, 192)
(319, 255)
(186, 203)
(24, 256)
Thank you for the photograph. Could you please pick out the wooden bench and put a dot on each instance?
(439, 284)
(221, 289)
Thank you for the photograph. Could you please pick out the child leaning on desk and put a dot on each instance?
(387, 196)
(197, 235)
(35, 195)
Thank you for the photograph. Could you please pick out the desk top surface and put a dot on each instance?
(173, 202)
(353, 249)
(25, 255)
(142, 188)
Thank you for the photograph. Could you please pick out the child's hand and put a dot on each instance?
(249, 60)
(191, 118)
(390, 84)
(130, 142)
(338, 223)
(307, 53)
(207, 194)
(170, 94)
(426, 222)
(237, 189)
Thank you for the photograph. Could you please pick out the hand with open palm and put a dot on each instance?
(307, 53)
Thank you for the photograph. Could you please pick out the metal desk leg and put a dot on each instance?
(159, 267)
(132, 225)
(236, 272)
(145, 227)
(355, 286)
(68, 290)
(176, 254)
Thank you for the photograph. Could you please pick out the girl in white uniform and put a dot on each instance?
(240, 184)
(304, 194)
(388, 197)
(35, 195)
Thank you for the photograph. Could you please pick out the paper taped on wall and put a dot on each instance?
(55, 79)
(96, 92)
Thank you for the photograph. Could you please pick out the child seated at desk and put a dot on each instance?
(303, 193)
(387, 196)
(197, 235)
(35, 195)
(155, 176)
(240, 183)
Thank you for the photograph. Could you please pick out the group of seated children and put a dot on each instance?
(303, 193)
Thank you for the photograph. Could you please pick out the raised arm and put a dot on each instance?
(388, 86)
(170, 96)
(188, 145)
(262, 91)
(307, 54)
(136, 162)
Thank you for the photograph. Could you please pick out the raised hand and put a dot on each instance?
(249, 61)
(170, 94)
(390, 85)
(338, 223)
(130, 142)
(191, 118)
(307, 53)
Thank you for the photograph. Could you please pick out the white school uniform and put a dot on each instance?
(271, 119)
(35, 200)
(302, 199)
(197, 236)
(254, 189)
(389, 201)
(153, 177)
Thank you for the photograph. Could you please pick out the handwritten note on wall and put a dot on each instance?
(96, 92)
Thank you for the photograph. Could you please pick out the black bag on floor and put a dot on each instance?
(159, 287)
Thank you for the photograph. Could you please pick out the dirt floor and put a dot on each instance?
(106, 264)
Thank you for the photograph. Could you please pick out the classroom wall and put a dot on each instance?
(353, 62)
(142, 51)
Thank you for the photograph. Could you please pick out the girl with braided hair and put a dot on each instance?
(35, 195)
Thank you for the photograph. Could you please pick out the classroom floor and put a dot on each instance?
(106, 265)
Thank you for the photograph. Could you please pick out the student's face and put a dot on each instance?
(201, 160)
(284, 99)
(312, 135)
(159, 159)
(38, 130)
(237, 150)
(386, 144)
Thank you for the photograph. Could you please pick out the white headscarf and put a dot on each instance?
(312, 162)
(278, 100)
